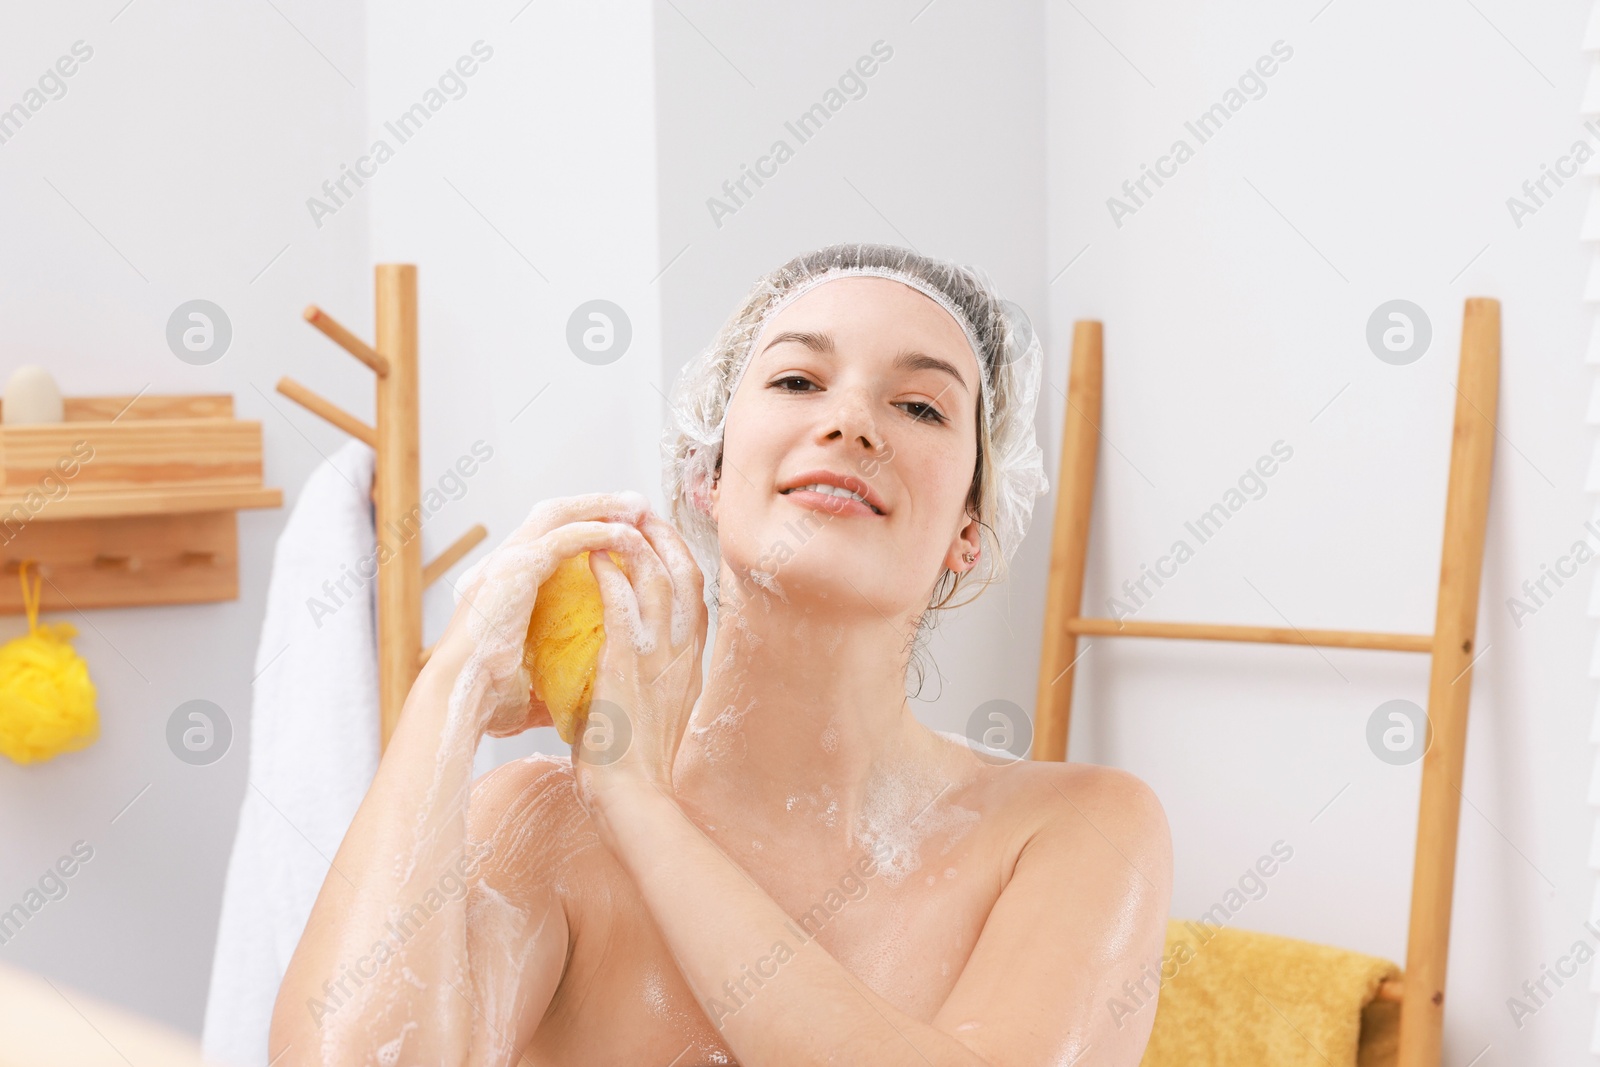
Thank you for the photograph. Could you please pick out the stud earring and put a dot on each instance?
(969, 557)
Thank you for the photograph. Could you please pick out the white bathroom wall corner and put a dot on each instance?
(1590, 234)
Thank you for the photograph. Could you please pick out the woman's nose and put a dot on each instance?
(851, 419)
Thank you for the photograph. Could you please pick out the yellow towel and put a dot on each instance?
(1232, 998)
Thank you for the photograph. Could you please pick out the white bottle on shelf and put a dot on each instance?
(31, 397)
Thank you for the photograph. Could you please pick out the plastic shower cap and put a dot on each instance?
(1002, 338)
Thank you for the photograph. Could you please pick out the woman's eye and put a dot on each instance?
(922, 412)
(917, 409)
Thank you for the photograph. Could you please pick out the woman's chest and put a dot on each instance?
(904, 928)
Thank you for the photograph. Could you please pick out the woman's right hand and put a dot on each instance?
(495, 597)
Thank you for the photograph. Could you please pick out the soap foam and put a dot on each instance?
(988, 754)
(768, 581)
(720, 738)
(903, 805)
(500, 943)
(830, 814)
(810, 803)
(389, 1051)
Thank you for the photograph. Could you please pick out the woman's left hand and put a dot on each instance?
(649, 672)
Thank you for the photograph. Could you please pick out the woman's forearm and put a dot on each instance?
(387, 935)
(779, 999)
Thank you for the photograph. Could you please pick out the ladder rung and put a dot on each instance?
(1272, 635)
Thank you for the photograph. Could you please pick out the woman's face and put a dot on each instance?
(866, 382)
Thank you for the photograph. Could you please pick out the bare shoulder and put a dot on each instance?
(1108, 806)
(1085, 891)
(527, 811)
(1073, 804)
(517, 784)
(1103, 795)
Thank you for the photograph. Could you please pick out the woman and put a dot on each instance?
(782, 866)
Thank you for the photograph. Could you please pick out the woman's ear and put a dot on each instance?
(967, 543)
(704, 497)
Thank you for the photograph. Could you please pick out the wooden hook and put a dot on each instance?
(346, 340)
(332, 412)
(451, 556)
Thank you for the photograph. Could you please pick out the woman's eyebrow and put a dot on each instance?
(906, 360)
(817, 342)
(922, 361)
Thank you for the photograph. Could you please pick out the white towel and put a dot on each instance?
(313, 747)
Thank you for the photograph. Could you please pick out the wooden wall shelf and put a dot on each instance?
(131, 500)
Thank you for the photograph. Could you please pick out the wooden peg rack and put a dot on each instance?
(396, 489)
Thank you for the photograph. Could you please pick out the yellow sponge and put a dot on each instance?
(562, 649)
(46, 697)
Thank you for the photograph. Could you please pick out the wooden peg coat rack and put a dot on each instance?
(396, 485)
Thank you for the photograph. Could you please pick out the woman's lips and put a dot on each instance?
(837, 505)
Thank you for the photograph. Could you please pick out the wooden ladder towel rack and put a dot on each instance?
(1421, 989)
(396, 479)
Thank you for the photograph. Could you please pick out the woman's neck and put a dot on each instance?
(803, 711)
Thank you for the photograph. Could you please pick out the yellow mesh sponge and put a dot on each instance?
(562, 649)
(46, 697)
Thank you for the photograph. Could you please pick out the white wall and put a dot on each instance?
(531, 194)
(180, 158)
(1376, 166)
(943, 151)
